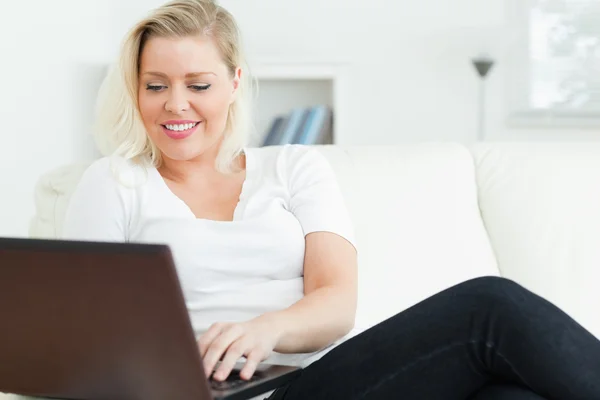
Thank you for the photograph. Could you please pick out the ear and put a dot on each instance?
(237, 78)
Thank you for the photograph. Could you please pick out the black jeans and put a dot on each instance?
(484, 339)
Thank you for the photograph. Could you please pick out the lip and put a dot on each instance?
(178, 135)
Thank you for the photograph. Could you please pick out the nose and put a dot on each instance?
(177, 102)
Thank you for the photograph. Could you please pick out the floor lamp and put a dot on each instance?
(483, 67)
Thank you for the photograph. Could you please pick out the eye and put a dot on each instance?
(199, 88)
(155, 88)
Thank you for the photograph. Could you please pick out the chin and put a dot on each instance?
(182, 154)
(185, 151)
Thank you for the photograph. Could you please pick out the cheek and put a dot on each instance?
(215, 111)
(149, 109)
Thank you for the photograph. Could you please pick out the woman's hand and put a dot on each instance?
(254, 339)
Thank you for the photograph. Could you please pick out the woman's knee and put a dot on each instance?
(492, 290)
(492, 284)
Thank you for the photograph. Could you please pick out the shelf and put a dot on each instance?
(283, 86)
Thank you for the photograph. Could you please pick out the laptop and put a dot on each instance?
(104, 321)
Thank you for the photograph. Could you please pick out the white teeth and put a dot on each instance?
(180, 127)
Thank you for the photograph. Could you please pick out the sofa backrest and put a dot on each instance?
(418, 225)
(541, 207)
(428, 216)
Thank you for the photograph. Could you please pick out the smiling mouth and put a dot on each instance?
(180, 127)
(180, 131)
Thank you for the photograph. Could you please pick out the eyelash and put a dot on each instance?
(196, 88)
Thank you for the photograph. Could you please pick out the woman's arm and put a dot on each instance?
(328, 309)
(323, 315)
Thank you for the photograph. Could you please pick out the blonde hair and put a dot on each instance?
(119, 128)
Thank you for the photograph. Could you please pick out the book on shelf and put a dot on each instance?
(302, 125)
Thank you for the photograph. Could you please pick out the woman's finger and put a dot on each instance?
(209, 336)
(219, 346)
(252, 361)
(233, 354)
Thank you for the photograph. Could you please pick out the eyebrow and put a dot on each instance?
(190, 75)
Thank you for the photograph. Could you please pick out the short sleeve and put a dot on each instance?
(97, 209)
(315, 196)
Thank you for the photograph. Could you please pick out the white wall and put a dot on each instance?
(52, 53)
(408, 67)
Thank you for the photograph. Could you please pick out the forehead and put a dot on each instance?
(179, 56)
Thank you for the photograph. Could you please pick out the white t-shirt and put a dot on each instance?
(229, 270)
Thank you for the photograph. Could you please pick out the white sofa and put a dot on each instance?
(430, 215)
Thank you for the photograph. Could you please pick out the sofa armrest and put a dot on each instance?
(52, 193)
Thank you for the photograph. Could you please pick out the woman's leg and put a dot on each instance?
(505, 392)
(454, 343)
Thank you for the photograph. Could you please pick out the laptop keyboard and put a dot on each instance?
(233, 381)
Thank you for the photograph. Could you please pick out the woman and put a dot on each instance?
(264, 246)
